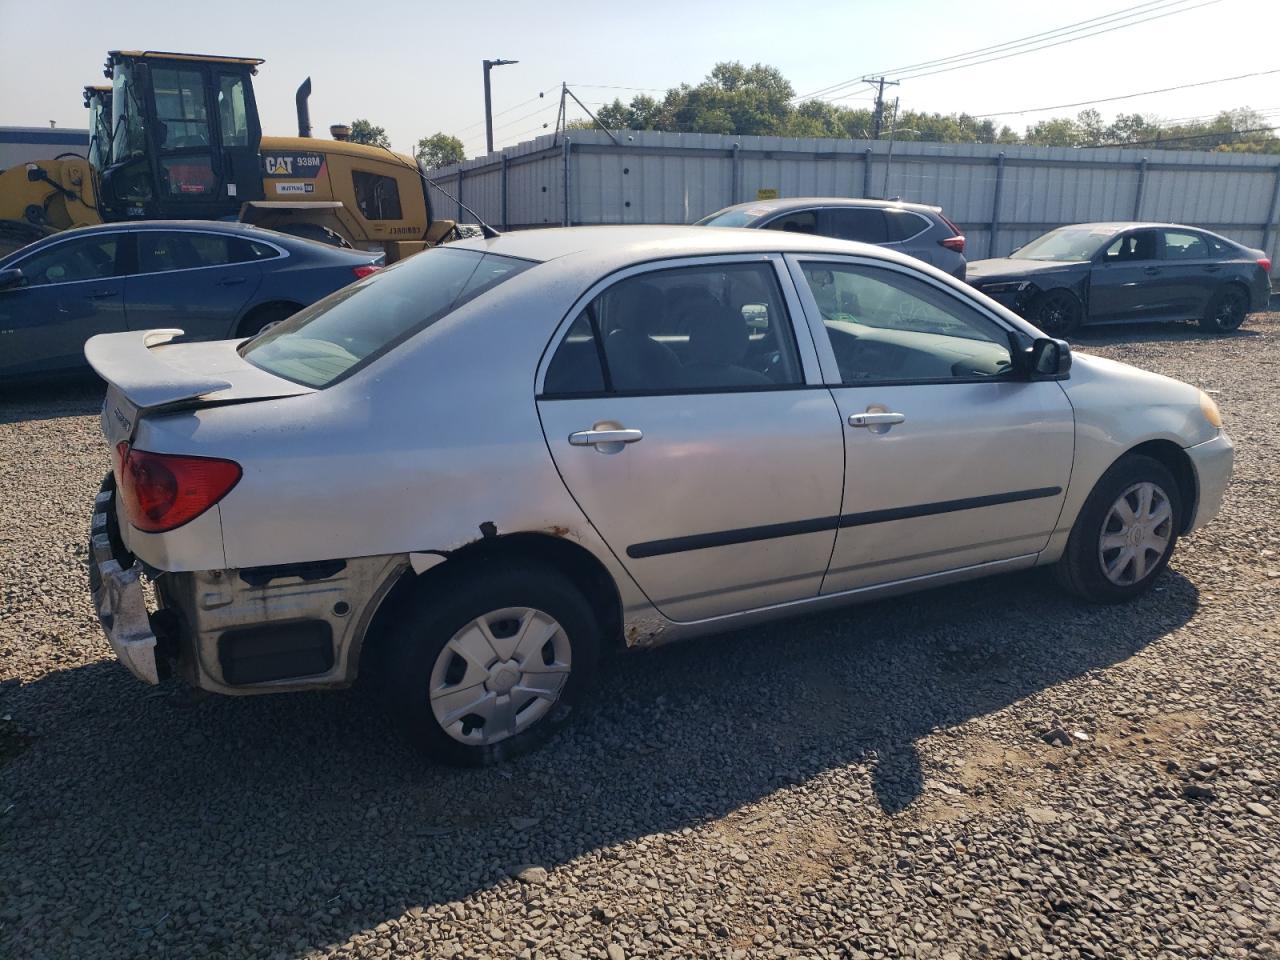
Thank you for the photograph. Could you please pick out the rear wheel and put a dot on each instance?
(488, 664)
(1057, 312)
(1124, 534)
(1226, 311)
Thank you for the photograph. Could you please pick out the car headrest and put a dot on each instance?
(639, 308)
(717, 335)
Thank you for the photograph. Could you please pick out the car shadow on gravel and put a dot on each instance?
(299, 821)
(1109, 333)
(31, 400)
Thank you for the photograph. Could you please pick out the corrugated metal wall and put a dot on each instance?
(1002, 196)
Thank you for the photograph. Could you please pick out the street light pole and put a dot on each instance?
(488, 103)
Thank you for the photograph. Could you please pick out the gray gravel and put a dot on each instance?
(984, 771)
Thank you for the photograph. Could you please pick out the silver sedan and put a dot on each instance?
(470, 475)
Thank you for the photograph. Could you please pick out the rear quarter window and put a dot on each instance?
(351, 328)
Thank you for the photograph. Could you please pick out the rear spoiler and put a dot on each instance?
(184, 374)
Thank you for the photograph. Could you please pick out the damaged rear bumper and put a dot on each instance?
(118, 594)
(256, 630)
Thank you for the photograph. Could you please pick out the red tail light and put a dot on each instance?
(363, 271)
(955, 243)
(1265, 264)
(161, 491)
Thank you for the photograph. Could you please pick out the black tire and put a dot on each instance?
(260, 318)
(312, 231)
(1226, 311)
(1059, 313)
(1080, 570)
(440, 611)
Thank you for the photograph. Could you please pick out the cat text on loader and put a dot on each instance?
(40, 198)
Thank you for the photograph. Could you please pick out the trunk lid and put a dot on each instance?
(145, 373)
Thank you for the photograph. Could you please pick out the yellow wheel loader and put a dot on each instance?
(185, 142)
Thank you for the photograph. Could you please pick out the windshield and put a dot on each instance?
(348, 329)
(733, 217)
(1066, 244)
(128, 134)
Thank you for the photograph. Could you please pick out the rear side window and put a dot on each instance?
(349, 329)
(160, 251)
(244, 251)
(1184, 246)
(903, 225)
(864, 224)
(705, 328)
(378, 197)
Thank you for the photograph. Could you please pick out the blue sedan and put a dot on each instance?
(215, 280)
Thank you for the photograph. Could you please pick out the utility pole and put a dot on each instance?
(880, 83)
(488, 102)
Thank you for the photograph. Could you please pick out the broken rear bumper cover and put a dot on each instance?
(119, 596)
(255, 630)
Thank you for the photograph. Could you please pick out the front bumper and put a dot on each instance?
(1014, 295)
(1211, 461)
(118, 593)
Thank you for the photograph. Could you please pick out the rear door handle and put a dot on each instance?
(102, 294)
(875, 419)
(231, 281)
(590, 438)
(1150, 271)
(1212, 268)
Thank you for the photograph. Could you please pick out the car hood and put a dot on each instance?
(1013, 267)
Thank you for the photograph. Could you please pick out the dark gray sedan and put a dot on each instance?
(215, 280)
(1116, 272)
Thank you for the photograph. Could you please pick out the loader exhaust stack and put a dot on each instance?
(304, 111)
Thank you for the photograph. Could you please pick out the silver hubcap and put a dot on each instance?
(1135, 534)
(499, 675)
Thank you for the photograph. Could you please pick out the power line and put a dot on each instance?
(1044, 34)
(1125, 96)
(1129, 17)
(610, 86)
(472, 126)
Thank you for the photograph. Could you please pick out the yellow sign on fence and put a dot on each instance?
(767, 193)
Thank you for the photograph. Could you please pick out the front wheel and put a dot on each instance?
(488, 665)
(1226, 311)
(1057, 312)
(1124, 534)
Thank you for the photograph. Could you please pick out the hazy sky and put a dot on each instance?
(414, 68)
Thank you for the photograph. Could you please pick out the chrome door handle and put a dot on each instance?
(589, 438)
(231, 281)
(875, 419)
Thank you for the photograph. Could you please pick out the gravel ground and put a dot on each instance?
(983, 771)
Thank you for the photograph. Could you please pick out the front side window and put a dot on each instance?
(1179, 245)
(181, 108)
(159, 251)
(889, 326)
(1136, 245)
(233, 116)
(703, 328)
(91, 258)
(865, 224)
(346, 330)
(734, 217)
(378, 197)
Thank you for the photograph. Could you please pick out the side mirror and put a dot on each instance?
(1048, 359)
(12, 277)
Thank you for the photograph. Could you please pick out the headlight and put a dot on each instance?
(1210, 410)
(1012, 286)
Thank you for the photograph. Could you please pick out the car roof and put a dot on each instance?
(228, 226)
(1115, 226)
(798, 203)
(622, 245)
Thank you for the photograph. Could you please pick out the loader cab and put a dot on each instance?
(184, 137)
(97, 100)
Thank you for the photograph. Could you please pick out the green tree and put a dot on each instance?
(439, 150)
(363, 131)
(1058, 132)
